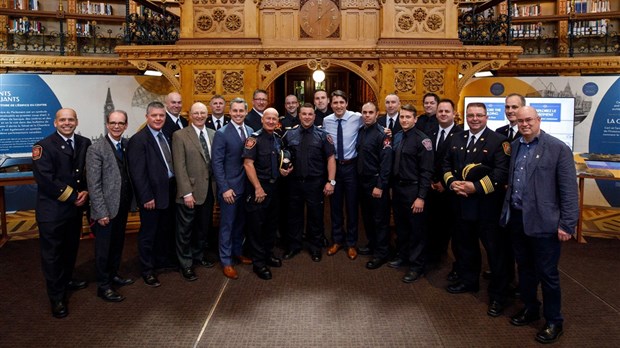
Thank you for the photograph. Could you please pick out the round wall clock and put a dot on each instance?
(319, 19)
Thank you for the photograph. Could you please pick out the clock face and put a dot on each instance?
(320, 19)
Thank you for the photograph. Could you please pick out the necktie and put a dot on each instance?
(510, 133)
(179, 122)
(205, 147)
(442, 137)
(119, 150)
(218, 125)
(391, 125)
(470, 146)
(166, 150)
(340, 141)
(242, 134)
(70, 145)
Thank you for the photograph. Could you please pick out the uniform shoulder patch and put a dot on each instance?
(507, 148)
(37, 152)
(250, 143)
(428, 144)
(387, 143)
(330, 139)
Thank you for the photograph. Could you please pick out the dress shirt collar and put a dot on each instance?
(114, 141)
(65, 138)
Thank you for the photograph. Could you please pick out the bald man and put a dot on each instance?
(174, 120)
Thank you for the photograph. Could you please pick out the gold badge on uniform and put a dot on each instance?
(37, 152)
(507, 148)
(250, 143)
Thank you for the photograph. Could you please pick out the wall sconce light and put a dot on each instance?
(319, 66)
(318, 76)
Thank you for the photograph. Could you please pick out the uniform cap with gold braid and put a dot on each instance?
(479, 172)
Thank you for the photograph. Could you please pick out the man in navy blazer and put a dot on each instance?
(392, 106)
(541, 211)
(152, 173)
(513, 102)
(259, 104)
(174, 120)
(229, 175)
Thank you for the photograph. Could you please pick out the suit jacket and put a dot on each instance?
(440, 152)
(426, 123)
(504, 131)
(60, 175)
(148, 170)
(104, 178)
(171, 127)
(192, 166)
(211, 125)
(550, 200)
(253, 120)
(226, 159)
(492, 150)
(383, 121)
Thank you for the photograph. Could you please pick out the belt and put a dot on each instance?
(406, 182)
(347, 161)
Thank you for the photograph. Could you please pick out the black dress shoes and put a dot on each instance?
(550, 333)
(59, 309)
(291, 253)
(316, 257)
(524, 317)
(365, 250)
(453, 276)
(75, 284)
(110, 295)
(263, 272)
(411, 277)
(188, 274)
(151, 280)
(460, 288)
(396, 262)
(495, 309)
(120, 281)
(375, 263)
(273, 261)
(205, 262)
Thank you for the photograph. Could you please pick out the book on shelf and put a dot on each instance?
(587, 6)
(95, 8)
(19, 25)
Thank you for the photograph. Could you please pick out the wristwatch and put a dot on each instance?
(332, 182)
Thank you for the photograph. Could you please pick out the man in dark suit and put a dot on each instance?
(62, 196)
(229, 174)
(152, 173)
(110, 200)
(541, 211)
(476, 170)
(174, 120)
(390, 120)
(321, 107)
(513, 102)
(259, 104)
(191, 150)
(428, 121)
(217, 119)
(438, 202)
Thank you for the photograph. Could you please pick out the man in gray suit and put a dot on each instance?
(191, 150)
(107, 175)
(541, 211)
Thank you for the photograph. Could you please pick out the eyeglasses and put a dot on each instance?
(114, 124)
(260, 99)
(476, 115)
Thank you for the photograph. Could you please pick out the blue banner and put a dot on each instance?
(548, 112)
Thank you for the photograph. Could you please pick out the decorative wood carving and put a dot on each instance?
(433, 81)
(204, 81)
(232, 81)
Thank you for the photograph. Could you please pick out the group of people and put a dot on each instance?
(512, 189)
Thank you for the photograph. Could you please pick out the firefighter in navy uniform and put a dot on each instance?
(412, 173)
(62, 196)
(374, 165)
(314, 162)
(261, 162)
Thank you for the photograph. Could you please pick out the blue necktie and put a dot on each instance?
(119, 150)
(340, 141)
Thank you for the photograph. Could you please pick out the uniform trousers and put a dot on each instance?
(345, 192)
(537, 263)
(262, 223)
(305, 193)
(440, 225)
(376, 216)
(59, 242)
(410, 227)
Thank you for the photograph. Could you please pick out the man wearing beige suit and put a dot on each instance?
(191, 150)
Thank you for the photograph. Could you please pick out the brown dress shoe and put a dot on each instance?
(333, 249)
(244, 260)
(352, 253)
(230, 272)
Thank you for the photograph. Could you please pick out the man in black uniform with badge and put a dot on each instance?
(374, 164)
(312, 152)
(62, 196)
(261, 162)
(412, 172)
(476, 170)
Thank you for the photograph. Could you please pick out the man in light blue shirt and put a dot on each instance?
(342, 127)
